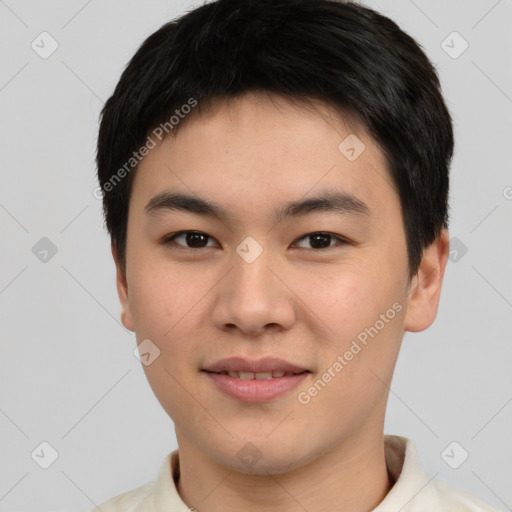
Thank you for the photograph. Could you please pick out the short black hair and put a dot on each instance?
(340, 52)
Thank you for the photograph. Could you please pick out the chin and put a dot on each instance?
(262, 456)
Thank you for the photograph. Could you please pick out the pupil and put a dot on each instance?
(193, 239)
(317, 241)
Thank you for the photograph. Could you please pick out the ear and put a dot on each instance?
(122, 291)
(425, 287)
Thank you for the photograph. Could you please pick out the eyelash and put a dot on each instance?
(342, 241)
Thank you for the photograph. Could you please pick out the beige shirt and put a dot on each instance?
(413, 491)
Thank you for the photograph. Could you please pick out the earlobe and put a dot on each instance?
(122, 291)
(425, 290)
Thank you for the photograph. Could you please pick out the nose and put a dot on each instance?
(254, 298)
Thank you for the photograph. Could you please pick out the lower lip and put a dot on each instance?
(255, 390)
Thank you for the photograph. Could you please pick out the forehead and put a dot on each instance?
(262, 147)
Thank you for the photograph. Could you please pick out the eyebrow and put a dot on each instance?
(337, 202)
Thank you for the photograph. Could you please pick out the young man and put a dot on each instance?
(275, 183)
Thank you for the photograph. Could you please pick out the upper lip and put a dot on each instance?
(266, 364)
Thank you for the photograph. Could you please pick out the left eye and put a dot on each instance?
(196, 239)
(321, 240)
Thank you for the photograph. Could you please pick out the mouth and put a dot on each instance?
(258, 375)
(263, 368)
(255, 381)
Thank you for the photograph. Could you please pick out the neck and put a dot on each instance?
(343, 479)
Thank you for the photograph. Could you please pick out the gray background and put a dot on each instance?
(67, 369)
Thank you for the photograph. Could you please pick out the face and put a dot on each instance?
(323, 286)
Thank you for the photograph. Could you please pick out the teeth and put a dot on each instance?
(263, 375)
(257, 376)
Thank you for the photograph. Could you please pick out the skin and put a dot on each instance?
(297, 302)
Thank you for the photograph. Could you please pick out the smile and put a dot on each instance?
(257, 376)
(255, 387)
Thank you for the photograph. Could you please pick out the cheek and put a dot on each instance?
(161, 299)
(168, 307)
(352, 297)
(363, 306)
(151, 305)
(357, 361)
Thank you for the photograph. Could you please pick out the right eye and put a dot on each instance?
(191, 239)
